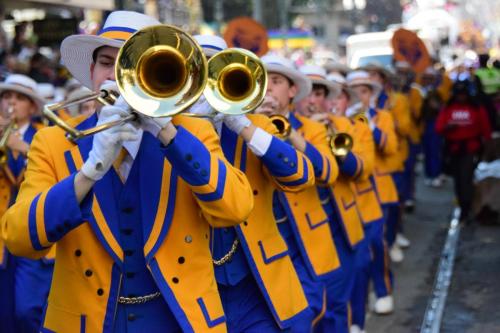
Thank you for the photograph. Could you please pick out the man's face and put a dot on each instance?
(364, 94)
(104, 67)
(279, 87)
(314, 103)
(375, 76)
(340, 104)
(22, 105)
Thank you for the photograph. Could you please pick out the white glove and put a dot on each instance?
(237, 123)
(109, 85)
(153, 125)
(201, 107)
(108, 143)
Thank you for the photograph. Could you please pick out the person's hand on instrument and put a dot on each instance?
(268, 106)
(236, 123)
(108, 143)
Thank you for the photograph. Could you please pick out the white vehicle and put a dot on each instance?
(372, 47)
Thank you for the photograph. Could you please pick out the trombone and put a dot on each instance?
(282, 124)
(340, 142)
(237, 81)
(160, 71)
(4, 139)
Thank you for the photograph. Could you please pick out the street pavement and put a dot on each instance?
(473, 303)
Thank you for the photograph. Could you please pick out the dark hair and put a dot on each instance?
(461, 87)
(317, 86)
(94, 54)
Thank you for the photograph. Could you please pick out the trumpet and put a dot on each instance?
(160, 71)
(360, 116)
(340, 142)
(4, 150)
(282, 124)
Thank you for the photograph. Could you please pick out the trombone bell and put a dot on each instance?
(161, 71)
(283, 126)
(237, 81)
(341, 144)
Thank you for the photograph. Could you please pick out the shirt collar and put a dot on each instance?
(22, 130)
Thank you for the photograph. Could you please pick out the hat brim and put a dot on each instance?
(37, 99)
(377, 88)
(340, 68)
(380, 69)
(303, 84)
(76, 54)
(332, 87)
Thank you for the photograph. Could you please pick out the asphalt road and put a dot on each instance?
(473, 302)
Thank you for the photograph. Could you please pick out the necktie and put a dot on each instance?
(118, 164)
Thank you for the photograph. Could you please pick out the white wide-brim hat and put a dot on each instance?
(283, 66)
(23, 85)
(337, 67)
(362, 78)
(77, 50)
(211, 44)
(376, 67)
(317, 75)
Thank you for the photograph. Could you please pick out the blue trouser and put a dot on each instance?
(408, 181)
(314, 290)
(379, 268)
(7, 304)
(245, 308)
(359, 293)
(432, 143)
(393, 215)
(32, 286)
(339, 287)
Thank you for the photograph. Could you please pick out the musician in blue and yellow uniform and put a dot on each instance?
(384, 137)
(414, 93)
(20, 101)
(253, 256)
(345, 225)
(300, 216)
(131, 225)
(399, 107)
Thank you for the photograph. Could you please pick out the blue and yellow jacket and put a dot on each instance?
(386, 158)
(265, 251)
(304, 210)
(398, 105)
(179, 184)
(12, 175)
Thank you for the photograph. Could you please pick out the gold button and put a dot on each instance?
(188, 239)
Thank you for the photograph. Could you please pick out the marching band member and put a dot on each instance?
(356, 166)
(433, 101)
(252, 256)
(300, 216)
(385, 140)
(415, 96)
(32, 277)
(398, 105)
(132, 237)
(345, 226)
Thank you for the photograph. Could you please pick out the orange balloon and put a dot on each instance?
(409, 47)
(248, 34)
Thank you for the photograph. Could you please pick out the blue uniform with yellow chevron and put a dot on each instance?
(262, 260)
(150, 234)
(305, 224)
(346, 228)
(31, 277)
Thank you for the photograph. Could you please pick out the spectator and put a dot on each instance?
(465, 126)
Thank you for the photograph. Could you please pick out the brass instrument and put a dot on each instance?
(4, 150)
(340, 143)
(360, 116)
(237, 81)
(160, 71)
(282, 124)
